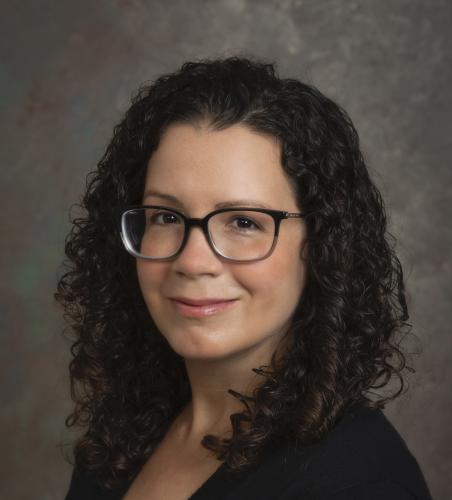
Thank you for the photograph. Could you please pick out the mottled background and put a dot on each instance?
(68, 69)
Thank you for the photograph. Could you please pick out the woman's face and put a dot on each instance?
(202, 168)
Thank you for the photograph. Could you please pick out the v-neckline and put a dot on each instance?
(199, 494)
(212, 479)
(223, 479)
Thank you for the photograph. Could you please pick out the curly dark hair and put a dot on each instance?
(126, 381)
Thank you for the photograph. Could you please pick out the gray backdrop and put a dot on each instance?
(68, 70)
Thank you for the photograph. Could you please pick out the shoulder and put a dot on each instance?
(380, 490)
(84, 486)
(363, 455)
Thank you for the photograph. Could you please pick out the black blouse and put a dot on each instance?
(362, 458)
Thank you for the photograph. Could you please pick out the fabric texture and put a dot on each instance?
(362, 458)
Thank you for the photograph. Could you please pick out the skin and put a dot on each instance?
(202, 167)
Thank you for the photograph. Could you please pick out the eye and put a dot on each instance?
(245, 223)
(163, 218)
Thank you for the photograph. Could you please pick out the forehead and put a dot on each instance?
(200, 164)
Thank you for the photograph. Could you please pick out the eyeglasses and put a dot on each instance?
(240, 234)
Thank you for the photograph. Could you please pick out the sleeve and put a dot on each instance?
(381, 490)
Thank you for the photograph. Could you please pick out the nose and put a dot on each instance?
(197, 257)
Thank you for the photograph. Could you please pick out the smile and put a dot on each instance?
(191, 311)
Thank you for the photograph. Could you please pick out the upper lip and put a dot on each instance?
(200, 302)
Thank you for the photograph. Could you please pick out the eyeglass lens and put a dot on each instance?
(236, 234)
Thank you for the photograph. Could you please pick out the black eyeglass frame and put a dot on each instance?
(190, 222)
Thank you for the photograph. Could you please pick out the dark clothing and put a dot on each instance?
(362, 458)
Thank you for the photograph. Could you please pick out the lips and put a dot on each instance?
(207, 308)
(201, 302)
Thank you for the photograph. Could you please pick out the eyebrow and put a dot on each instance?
(223, 204)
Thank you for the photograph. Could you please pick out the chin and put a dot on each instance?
(200, 346)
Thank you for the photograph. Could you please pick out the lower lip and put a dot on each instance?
(202, 311)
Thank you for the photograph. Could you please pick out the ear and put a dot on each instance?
(304, 250)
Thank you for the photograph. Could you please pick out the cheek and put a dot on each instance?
(277, 282)
(150, 278)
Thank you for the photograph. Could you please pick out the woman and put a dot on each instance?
(235, 301)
